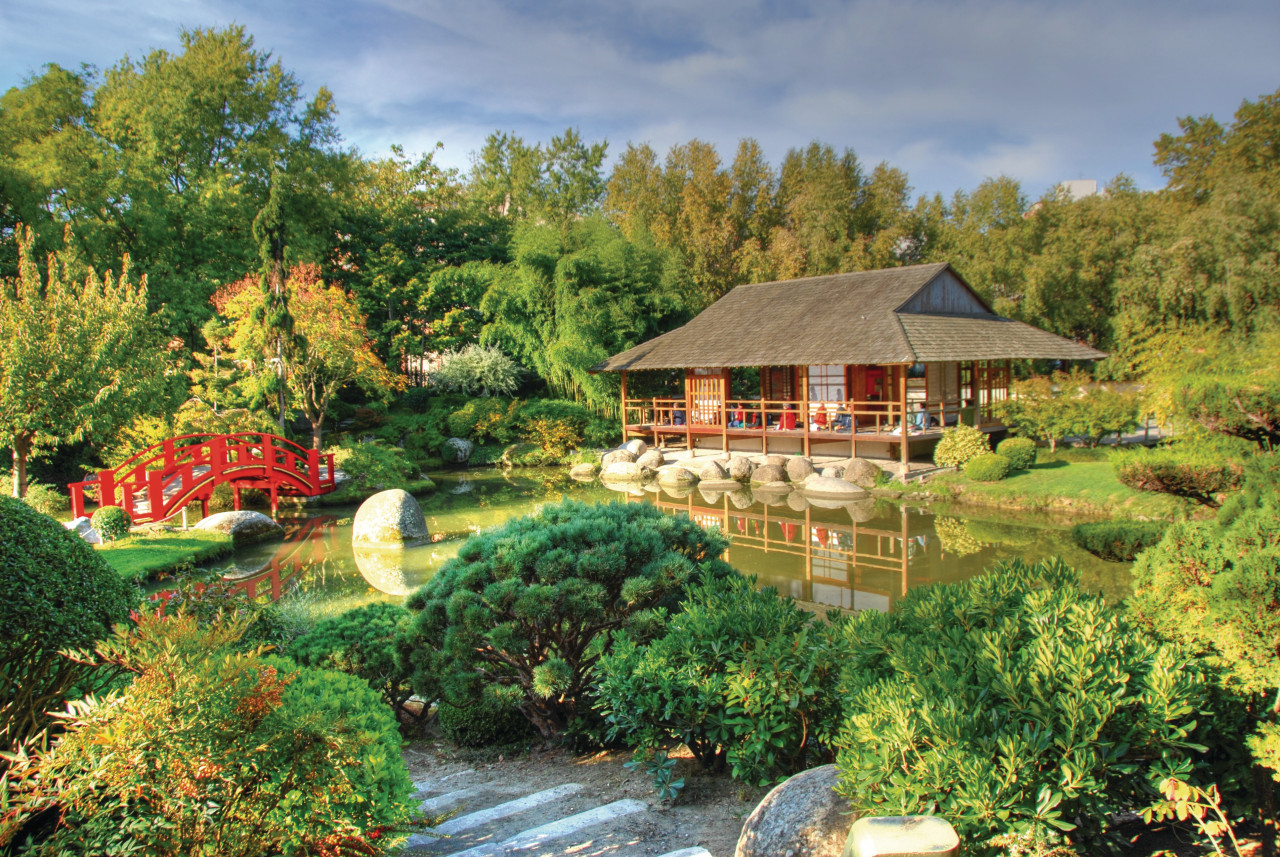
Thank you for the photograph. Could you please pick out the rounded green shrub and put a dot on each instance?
(742, 677)
(360, 642)
(959, 444)
(1118, 541)
(112, 523)
(55, 593)
(533, 603)
(1021, 452)
(223, 500)
(1012, 701)
(46, 499)
(484, 720)
(989, 467)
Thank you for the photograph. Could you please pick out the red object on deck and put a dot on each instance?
(160, 481)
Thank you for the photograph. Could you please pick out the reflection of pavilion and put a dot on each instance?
(813, 555)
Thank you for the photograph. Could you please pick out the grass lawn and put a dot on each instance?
(142, 556)
(1075, 483)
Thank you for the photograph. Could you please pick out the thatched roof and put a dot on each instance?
(916, 314)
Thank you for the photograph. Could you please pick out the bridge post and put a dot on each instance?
(313, 469)
(275, 498)
(155, 494)
(235, 496)
(106, 488)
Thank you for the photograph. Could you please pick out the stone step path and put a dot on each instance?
(495, 818)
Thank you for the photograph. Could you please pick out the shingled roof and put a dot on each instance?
(871, 317)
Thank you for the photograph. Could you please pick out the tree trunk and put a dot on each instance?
(317, 431)
(21, 449)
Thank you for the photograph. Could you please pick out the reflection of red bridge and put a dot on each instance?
(303, 547)
(161, 480)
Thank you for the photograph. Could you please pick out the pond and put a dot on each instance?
(863, 555)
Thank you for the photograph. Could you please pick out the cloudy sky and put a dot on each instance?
(950, 90)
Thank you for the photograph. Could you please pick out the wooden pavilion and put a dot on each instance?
(875, 363)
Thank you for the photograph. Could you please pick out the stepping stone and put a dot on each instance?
(441, 802)
(424, 786)
(502, 810)
(688, 852)
(536, 836)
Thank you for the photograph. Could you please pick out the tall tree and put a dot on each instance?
(76, 359)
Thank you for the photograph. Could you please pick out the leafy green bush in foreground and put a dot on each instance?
(741, 676)
(55, 593)
(1021, 452)
(532, 604)
(213, 751)
(112, 523)
(959, 444)
(988, 467)
(1010, 702)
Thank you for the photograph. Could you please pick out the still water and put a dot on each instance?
(863, 555)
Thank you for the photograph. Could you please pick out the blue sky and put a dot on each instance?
(951, 92)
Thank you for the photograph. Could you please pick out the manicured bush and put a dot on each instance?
(535, 601)
(111, 523)
(959, 444)
(1180, 470)
(485, 719)
(1020, 451)
(55, 593)
(1118, 541)
(1011, 701)
(558, 427)
(741, 676)
(477, 370)
(213, 751)
(360, 642)
(989, 467)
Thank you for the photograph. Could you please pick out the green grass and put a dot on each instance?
(144, 556)
(1077, 482)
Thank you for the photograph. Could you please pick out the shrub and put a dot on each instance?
(293, 760)
(477, 369)
(1215, 587)
(741, 676)
(556, 426)
(988, 467)
(45, 499)
(1118, 541)
(959, 444)
(485, 420)
(55, 593)
(1180, 471)
(486, 719)
(1020, 451)
(535, 601)
(602, 433)
(360, 642)
(373, 466)
(111, 523)
(1009, 701)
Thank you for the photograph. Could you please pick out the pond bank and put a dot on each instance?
(146, 555)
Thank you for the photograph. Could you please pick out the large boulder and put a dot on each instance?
(831, 488)
(799, 469)
(636, 447)
(584, 471)
(624, 471)
(652, 459)
(861, 472)
(389, 519)
(457, 450)
(714, 470)
(740, 468)
(779, 460)
(801, 817)
(82, 528)
(741, 498)
(618, 455)
(245, 528)
(769, 473)
(676, 475)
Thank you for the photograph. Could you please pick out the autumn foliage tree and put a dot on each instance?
(331, 347)
(79, 353)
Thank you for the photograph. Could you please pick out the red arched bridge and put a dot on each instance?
(160, 481)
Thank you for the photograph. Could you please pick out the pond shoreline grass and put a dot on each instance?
(147, 555)
(1072, 485)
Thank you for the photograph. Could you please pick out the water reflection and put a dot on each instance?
(855, 555)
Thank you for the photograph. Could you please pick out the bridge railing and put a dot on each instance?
(169, 475)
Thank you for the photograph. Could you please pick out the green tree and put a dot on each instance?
(76, 361)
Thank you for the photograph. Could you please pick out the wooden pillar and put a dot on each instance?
(802, 375)
(764, 418)
(624, 406)
(688, 414)
(902, 395)
(725, 384)
(905, 535)
(976, 382)
(235, 496)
